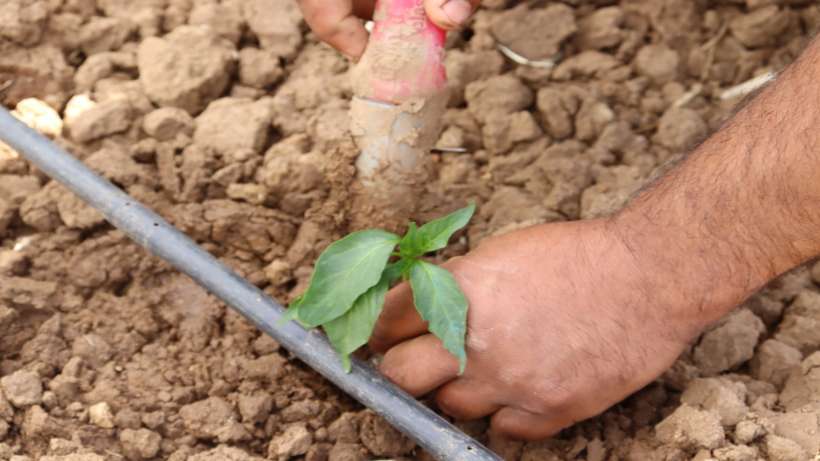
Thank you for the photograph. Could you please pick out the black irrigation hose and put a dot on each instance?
(433, 433)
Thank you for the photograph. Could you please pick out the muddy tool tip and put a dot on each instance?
(400, 89)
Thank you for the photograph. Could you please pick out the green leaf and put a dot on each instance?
(410, 244)
(353, 329)
(435, 234)
(441, 303)
(344, 271)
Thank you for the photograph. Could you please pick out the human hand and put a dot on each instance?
(567, 319)
(340, 22)
(564, 321)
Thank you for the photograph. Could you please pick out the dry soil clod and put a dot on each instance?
(231, 120)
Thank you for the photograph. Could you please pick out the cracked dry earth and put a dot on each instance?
(230, 119)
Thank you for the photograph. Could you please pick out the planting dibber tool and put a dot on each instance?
(400, 94)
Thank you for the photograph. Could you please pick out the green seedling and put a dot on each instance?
(351, 278)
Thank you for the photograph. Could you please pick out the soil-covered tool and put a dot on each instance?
(400, 96)
(145, 227)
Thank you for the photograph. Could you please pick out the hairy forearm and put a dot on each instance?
(744, 207)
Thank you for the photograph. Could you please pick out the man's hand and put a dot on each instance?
(563, 323)
(568, 319)
(340, 22)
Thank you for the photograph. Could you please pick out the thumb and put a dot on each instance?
(450, 14)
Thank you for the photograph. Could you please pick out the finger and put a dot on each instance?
(420, 365)
(450, 14)
(465, 399)
(520, 424)
(339, 23)
(398, 321)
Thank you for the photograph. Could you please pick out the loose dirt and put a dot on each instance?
(230, 120)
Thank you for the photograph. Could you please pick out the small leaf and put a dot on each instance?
(344, 271)
(353, 329)
(410, 245)
(441, 303)
(435, 234)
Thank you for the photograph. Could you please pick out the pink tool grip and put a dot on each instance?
(406, 53)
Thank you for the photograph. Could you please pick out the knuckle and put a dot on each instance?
(448, 405)
(506, 428)
(388, 372)
(390, 369)
(324, 27)
(391, 374)
(321, 23)
(552, 399)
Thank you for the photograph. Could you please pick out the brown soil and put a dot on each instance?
(231, 120)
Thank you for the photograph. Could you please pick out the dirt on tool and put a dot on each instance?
(231, 120)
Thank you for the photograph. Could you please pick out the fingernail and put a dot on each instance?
(457, 11)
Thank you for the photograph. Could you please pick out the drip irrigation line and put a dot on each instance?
(440, 438)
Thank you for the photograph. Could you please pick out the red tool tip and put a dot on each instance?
(404, 59)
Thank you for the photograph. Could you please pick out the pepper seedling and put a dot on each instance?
(351, 278)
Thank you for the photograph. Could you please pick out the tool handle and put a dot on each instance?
(404, 58)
